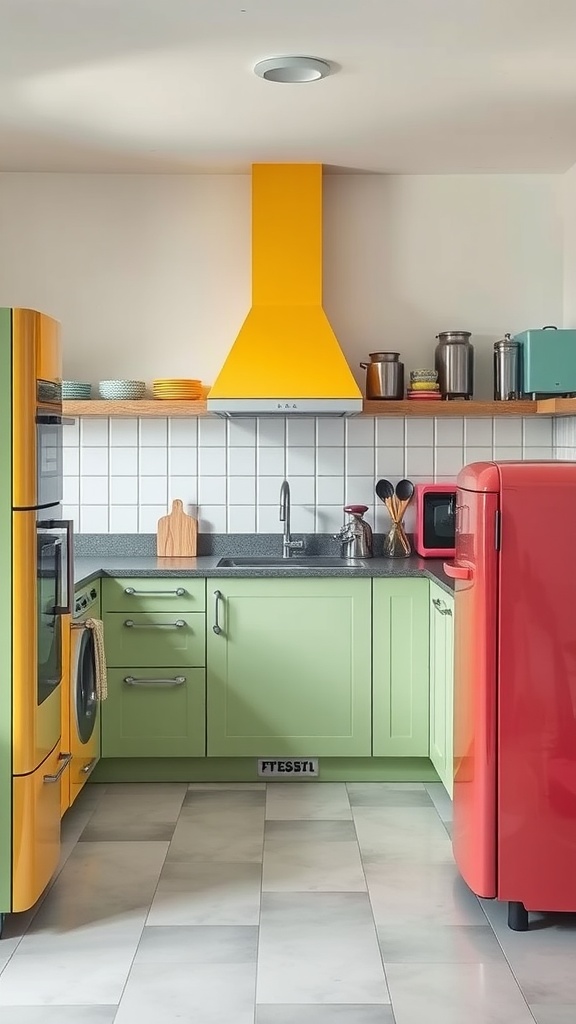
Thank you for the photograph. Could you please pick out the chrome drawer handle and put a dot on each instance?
(135, 681)
(87, 768)
(154, 593)
(216, 628)
(130, 624)
(65, 759)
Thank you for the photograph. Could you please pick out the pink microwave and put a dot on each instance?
(435, 520)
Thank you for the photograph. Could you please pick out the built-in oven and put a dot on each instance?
(54, 596)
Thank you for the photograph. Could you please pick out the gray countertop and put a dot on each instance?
(89, 568)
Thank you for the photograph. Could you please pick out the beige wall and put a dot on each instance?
(150, 274)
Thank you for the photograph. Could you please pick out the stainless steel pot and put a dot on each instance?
(384, 375)
(454, 361)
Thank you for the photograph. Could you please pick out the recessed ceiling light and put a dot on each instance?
(292, 69)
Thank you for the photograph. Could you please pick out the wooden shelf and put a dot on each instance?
(557, 406)
(419, 407)
(152, 407)
(145, 407)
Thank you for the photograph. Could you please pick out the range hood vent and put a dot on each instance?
(286, 359)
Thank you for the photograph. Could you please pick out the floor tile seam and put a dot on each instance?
(259, 938)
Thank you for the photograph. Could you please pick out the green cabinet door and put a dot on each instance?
(441, 683)
(289, 674)
(154, 713)
(400, 668)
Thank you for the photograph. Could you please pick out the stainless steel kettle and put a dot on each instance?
(384, 375)
(356, 535)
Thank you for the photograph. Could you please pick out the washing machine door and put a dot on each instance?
(84, 698)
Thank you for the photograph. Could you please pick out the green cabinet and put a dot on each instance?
(289, 673)
(441, 683)
(154, 713)
(400, 668)
(155, 639)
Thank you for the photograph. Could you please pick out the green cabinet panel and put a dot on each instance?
(290, 672)
(441, 684)
(155, 638)
(154, 713)
(400, 668)
(153, 594)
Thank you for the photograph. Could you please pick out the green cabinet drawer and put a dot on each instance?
(400, 668)
(152, 593)
(154, 713)
(155, 638)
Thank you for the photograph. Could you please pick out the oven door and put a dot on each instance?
(54, 588)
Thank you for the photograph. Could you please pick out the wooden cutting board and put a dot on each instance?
(177, 533)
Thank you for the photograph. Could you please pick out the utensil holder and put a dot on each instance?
(396, 543)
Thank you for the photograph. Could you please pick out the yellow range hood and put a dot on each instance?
(286, 359)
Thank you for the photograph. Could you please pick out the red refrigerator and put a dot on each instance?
(514, 832)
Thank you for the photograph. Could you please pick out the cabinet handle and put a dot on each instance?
(87, 768)
(441, 607)
(179, 592)
(217, 627)
(135, 681)
(447, 611)
(130, 624)
(65, 761)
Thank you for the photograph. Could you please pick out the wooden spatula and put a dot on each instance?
(177, 533)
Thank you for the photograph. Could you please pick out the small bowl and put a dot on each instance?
(424, 375)
(121, 390)
(76, 389)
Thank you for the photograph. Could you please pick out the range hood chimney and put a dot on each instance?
(286, 359)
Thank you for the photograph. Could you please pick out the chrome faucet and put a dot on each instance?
(288, 544)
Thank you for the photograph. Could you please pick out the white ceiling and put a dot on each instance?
(420, 86)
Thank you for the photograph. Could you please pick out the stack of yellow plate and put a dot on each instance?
(181, 390)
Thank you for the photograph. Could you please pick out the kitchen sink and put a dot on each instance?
(295, 562)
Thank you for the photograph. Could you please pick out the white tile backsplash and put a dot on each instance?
(121, 474)
(301, 432)
(94, 432)
(507, 431)
(183, 432)
(124, 490)
(124, 461)
(329, 461)
(211, 462)
(153, 461)
(154, 432)
(148, 516)
(153, 490)
(123, 432)
(186, 489)
(242, 461)
(93, 490)
(94, 461)
(271, 462)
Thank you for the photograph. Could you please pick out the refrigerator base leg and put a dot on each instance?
(517, 917)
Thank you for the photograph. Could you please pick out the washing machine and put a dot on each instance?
(84, 706)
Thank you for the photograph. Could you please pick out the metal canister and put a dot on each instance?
(454, 361)
(507, 370)
(384, 375)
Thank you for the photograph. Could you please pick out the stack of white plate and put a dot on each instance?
(76, 390)
(122, 389)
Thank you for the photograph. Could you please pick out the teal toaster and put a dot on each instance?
(548, 361)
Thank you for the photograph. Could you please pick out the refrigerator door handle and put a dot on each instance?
(458, 572)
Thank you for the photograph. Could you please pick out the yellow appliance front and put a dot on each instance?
(35, 726)
(36, 382)
(84, 709)
(65, 715)
(36, 830)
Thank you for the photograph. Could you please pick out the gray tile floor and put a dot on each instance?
(286, 903)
